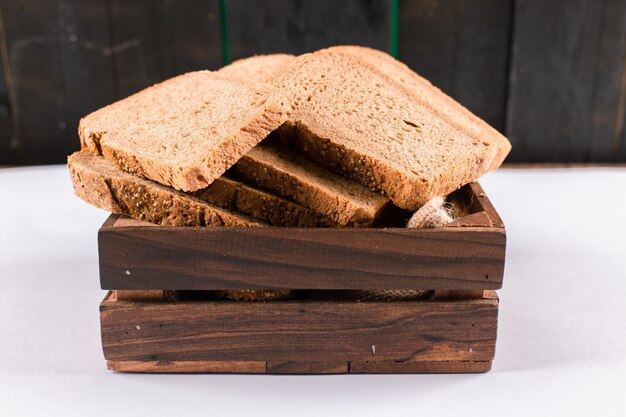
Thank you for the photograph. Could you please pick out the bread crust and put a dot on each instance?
(283, 172)
(400, 139)
(186, 131)
(277, 211)
(101, 183)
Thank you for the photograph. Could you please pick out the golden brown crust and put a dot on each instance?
(262, 68)
(282, 171)
(100, 183)
(422, 89)
(186, 131)
(382, 133)
(275, 210)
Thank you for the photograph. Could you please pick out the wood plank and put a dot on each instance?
(568, 81)
(480, 219)
(479, 202)
(34, 43)
(462, 47)
(9, 145)
(309, 331)
(59, 72)
(291, 367)
(178, 258)
(420, 367)
(133, 257)
(457, 294)
(155, 40)
(252, 367)
(285, 26)
(220, 367)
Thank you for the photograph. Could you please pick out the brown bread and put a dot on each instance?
(354, 119)
(424, 91)
(261, 68)
(277, 211)
(292, 176)
(102, 184)
(283, 172)
(186, 131)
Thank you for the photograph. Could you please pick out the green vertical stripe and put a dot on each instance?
(393, 35)
(224, 29)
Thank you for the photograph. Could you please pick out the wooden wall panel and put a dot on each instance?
(462, 47)
(568, 81)
(155, 40)
(58, 72)
(8, 146)
(563, 100)
(68, 58)
(270, 26)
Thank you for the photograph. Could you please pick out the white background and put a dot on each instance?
(561, 340)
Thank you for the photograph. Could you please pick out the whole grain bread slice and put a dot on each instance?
(445, 106)
(285, 173)
(290, 175)
(277, 211)
(352, 119)
(186, 131)
(102, 184)
(260, 68)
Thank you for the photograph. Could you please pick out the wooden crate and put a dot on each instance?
(323, 328)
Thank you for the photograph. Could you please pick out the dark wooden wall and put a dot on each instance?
(549, 74)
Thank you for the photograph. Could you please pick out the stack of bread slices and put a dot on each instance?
(342, 137)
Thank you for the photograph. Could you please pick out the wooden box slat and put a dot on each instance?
(300, 331)
(468, 254)
(261, 367)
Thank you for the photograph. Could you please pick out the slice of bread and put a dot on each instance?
(102, 184)
(277, 211)
(283, 172)
(186, 131)
(351, 118)
(448, 108)
(294, 177)
(261, 68)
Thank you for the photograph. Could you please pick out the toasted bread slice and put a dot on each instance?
(102, 184)
(236, 196)
(261, 68)
(424, 91)
(283, 172)
(186, 131)
(352, 118)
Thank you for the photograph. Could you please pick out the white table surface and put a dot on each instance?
(561, 339)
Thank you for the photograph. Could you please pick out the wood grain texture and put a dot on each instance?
(58, 72)
(9, 146)
(315, 368)
(274, 258)
(296, 27)
(70, 58)
(166, 367)
(568, 81)
(420, 367)
(451, 294)
(309, 331)
(133, 257)
(155, 40)
(277, 367)
(472, 208)
(462, 47)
